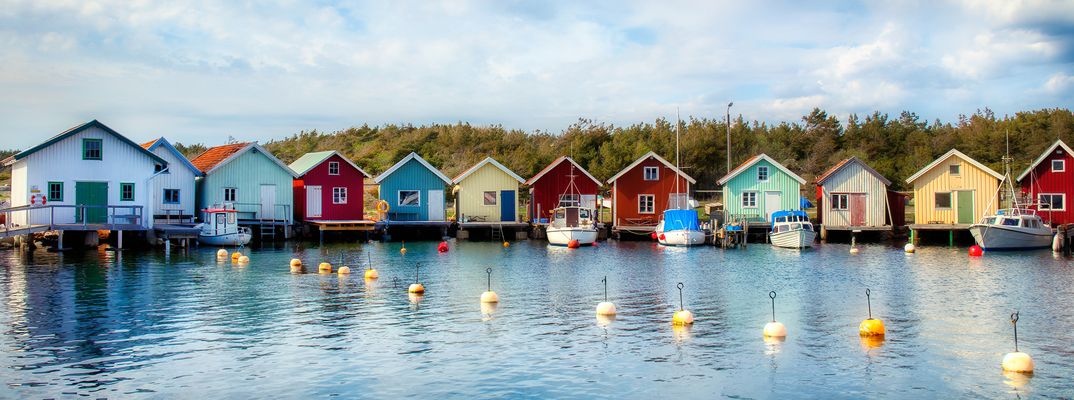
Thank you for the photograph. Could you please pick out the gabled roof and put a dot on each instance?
(153, 144)
(1057, 144)
(308, 161)
(416, 157)
(488, 160)
(646, 157)
(949, 154)
(754, 160)
(215, 157)
(847, 161)
(75, 130)
(556, 163)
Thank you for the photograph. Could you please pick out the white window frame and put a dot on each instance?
(958, 167)
(645, 171)
(570, 200)
(651, 203)
(950, 201)
(1040, 202)
(495, 198)
(331, 165)
(752, 195)
(399, 198)
(767, 173)
(234, 194)
(840, 201)
(1062, 165)
(339, 195)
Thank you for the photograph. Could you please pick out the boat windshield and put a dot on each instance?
(988, 220)
(1010, 222)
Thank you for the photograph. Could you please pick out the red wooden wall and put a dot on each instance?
(548, 188)
(626, 188)
(1043, 180)
(348, 177)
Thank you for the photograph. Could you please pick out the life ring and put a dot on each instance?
(382, 206)
(38, 200)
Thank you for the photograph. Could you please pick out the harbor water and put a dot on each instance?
(149, 324)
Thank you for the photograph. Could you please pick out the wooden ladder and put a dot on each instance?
(266, 229)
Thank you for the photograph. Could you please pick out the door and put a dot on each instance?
(772, 203)
(313, 201)
(436, 205)
(965, 206)
(268, 202)
(857, 209)
(91, 194)
(507, 205)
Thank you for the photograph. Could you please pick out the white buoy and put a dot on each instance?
(774, 329)
(909, 248)
(605, 307)
(222, 253)
(1017, 361)
(489, 296)
(854, 250)
(344, 270)
(244, 260)
(416, 287)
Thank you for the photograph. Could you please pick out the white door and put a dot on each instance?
(268, 202)
(313, 201)
(436, 205)
(772, 201)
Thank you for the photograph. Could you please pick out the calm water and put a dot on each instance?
(144, 324)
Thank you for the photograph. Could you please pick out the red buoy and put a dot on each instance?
(653, 235)
(662, 237)
(443, 247)
(573, 244)
(976, 251)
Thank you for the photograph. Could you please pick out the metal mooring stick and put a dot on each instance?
(1014, 322)
(869, 301)
(680, 296)
(489, 272)
(772, 295)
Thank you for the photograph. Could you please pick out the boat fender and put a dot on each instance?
(1057, 243)
(976, 251)
(442, 247)
(573, 244)
(653, 235)
(662, 237)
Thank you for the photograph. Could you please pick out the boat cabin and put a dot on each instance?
(572, 217)
(1024, 218)
(783, 221)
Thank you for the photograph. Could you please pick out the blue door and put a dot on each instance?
(507, 205)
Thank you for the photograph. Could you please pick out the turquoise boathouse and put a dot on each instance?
(414, 190)
(759, 187)
(250, 179)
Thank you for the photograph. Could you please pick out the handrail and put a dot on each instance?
(135, 215)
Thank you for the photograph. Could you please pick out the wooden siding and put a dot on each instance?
(547, 190)
(631, 184)
(939, 179)
(1044, 180)
(348, 177)
(778, 181)
(411, 176)
(62, 161)
(247, 173)
(178, 177)
(470, 201)
(854, 178)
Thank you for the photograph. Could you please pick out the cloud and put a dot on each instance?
(1059, 83)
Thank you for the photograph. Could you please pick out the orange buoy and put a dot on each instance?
(871, 327)
(573, 244)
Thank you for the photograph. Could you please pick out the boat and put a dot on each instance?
(221, 228)
(1014, 228)
(792, 229)
(572, 220)
(679, 228)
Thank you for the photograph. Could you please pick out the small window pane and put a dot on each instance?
(333, 168)
(489, 198)
(645, 203)
(230, 195)
(954, 169)
(339, 195)
(91, 149)
(171, 196)
(409, 198)
(943, 200)
(1058, 165)
(570, 200)
(55, 191)
(126, 192)
(762, 173)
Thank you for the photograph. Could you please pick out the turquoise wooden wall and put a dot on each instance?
(411, 176)
(247, 173)
(747, 181)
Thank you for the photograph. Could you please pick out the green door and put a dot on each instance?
(90, 194)
(965, 206)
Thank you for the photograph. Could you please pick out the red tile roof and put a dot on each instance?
(212, 157)
(149, 144)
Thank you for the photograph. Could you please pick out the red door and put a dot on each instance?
(857, 209)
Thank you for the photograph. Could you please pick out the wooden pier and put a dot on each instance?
(495, 230)
(44, 218)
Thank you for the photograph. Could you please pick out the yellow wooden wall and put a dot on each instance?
(487, 178)
(939, 179)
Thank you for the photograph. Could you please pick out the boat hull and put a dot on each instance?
(228, 239)
(563, 236)
(999, 237)
(794, 239)
(681, 238)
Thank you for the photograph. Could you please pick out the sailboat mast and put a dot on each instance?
(678, 121)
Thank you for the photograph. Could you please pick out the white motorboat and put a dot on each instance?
(572, 223)
(792, 229)
(1012, 229)
(221, 228)
(680, 228)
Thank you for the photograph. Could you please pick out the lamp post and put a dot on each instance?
(729, 136)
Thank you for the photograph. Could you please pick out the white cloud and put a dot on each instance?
(1059, 83)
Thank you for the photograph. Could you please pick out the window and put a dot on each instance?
(749, 199)
(489, 198)
(158, 167)
(652, 173)
(55, 191)
(570, 200)
(409, 198)
(333, 168)
(1059, 165)
(230, 194)
(126, 192)
(1048, 201)
(646, 203)
(762, 173)
(943, 200)
(171, 196)
(339, 195)
(954, 169)
(841, 201)
(91, 149)
(1010, 222)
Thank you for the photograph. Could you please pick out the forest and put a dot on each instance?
(896, 146)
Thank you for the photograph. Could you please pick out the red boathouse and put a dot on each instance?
(549, 188)
(1048, 183)
(328, 188)
(643, 190)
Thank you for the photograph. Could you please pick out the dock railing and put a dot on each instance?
(116, 217)
(280, 212)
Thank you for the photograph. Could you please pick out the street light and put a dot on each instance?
(729, 136)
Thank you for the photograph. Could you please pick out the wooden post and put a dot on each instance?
(119, 241)
(951, 238)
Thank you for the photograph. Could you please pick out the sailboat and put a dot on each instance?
(679, 226)
(572, 220)
(1015, 228)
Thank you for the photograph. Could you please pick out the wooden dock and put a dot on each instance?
(951, 229)
(496, 230)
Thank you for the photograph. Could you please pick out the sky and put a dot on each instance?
(200, 71)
